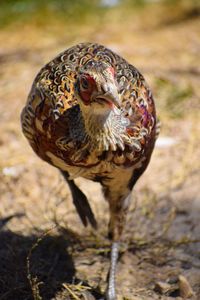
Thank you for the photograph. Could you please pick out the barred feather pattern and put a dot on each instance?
(60, 134)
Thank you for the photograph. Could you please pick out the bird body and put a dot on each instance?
(91, 114)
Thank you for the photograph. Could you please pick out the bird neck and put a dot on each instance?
(105, 131)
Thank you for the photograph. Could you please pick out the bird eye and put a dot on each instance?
(84, 83)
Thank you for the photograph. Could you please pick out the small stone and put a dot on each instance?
(185, 288)
(164, 288)
(14, 171)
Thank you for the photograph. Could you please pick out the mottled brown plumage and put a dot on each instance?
(91, 114)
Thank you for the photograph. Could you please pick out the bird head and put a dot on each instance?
(96, 88)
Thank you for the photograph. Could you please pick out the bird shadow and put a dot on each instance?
(36, 268)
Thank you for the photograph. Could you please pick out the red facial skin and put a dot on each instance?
(86, 93)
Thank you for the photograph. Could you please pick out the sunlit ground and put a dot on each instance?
(160, 38)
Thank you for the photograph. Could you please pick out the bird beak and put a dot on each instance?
(110, 96)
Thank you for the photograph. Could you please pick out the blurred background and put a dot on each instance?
(160, 38)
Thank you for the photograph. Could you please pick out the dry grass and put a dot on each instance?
(44, 251)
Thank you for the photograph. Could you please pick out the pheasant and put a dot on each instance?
(91, 114)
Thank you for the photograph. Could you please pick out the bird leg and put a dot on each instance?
(81, 203)
(110, 293)
(118, 211)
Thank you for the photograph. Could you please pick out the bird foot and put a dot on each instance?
(110, 294)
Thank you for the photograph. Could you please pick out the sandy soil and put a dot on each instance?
(45, 253)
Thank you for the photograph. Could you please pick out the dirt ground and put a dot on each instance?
(45, 252)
